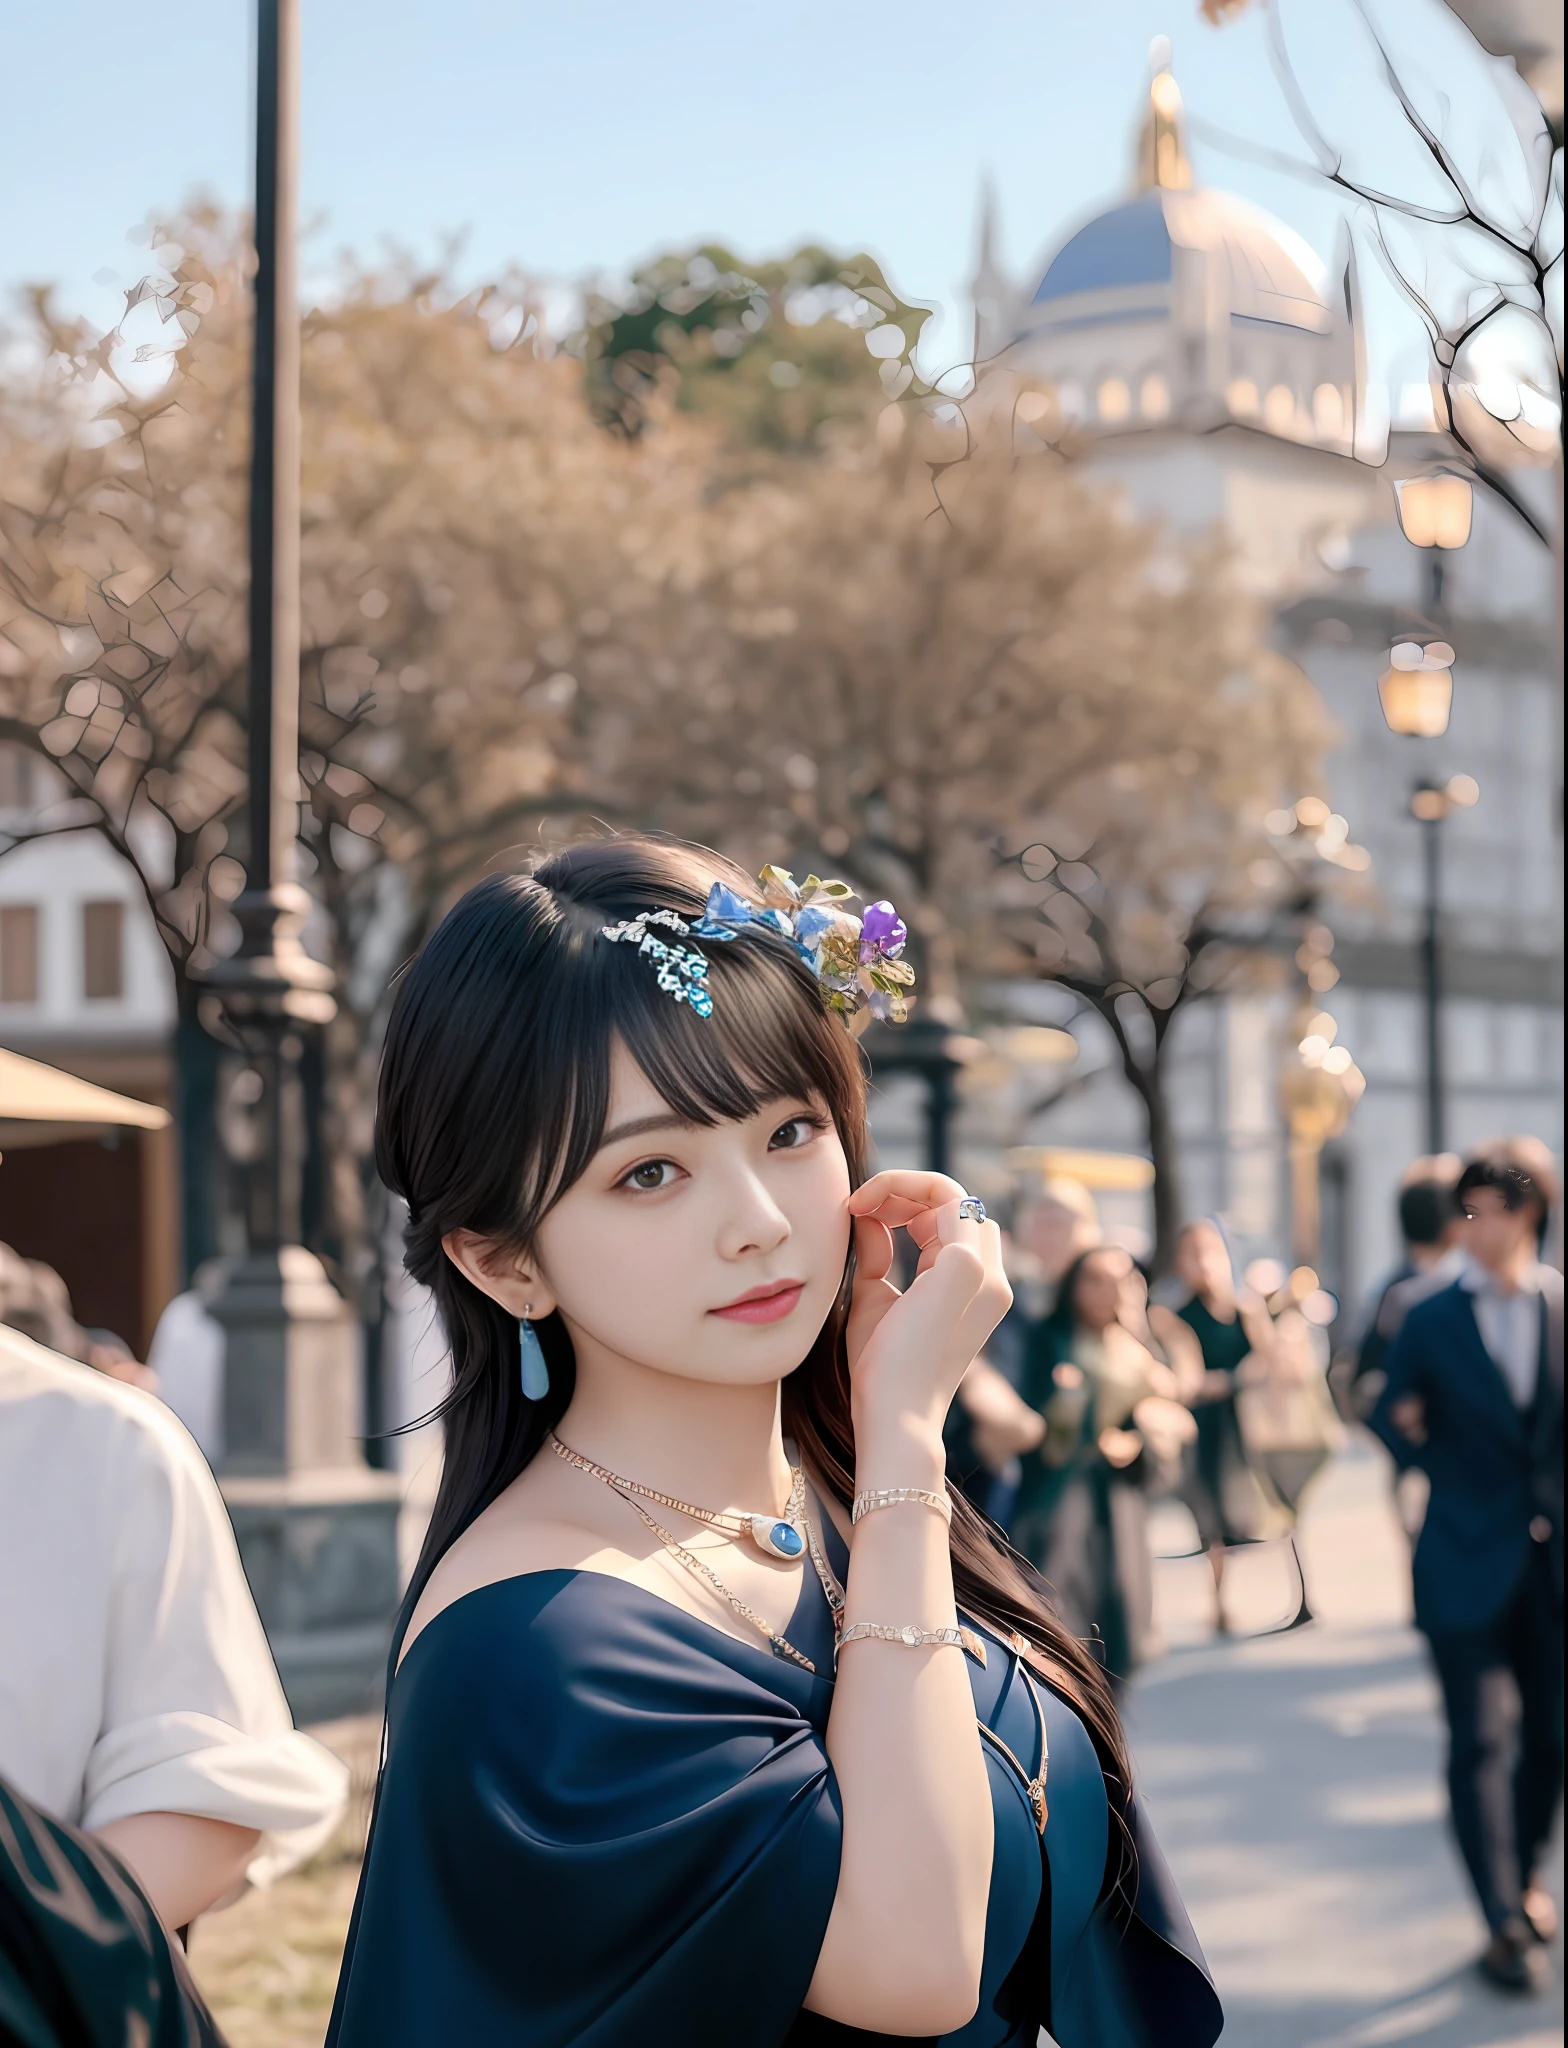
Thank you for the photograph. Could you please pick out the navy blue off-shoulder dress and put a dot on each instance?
(608, 1824)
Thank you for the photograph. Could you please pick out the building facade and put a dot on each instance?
(1195, 357)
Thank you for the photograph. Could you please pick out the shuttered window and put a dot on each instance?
(18, 953)
(103, 951)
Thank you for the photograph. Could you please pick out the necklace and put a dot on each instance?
(628, 1489)
(774, 1535)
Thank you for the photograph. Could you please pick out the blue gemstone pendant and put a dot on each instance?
(777, 1538)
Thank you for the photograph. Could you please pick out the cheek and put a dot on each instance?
(602, 1257)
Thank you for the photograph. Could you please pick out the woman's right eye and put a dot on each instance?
(650, 1174)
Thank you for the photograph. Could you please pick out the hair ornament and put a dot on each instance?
(856, 959)
(682, 970)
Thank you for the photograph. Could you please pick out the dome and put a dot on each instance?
(1270, 273)
(1129, 245)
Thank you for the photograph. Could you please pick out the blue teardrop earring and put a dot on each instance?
(534, 1368)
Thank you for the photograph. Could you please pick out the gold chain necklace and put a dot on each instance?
(774, 1535)
(628, 1489)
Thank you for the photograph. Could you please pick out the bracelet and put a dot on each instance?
(914, 1638)
(895, 1496)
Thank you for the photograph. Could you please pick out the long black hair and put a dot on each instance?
(494, 1091)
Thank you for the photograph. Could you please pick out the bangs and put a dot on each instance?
(769, 1037)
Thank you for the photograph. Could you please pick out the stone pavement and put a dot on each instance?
(1295, 1782)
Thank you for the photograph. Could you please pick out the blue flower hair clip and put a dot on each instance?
(857, 960)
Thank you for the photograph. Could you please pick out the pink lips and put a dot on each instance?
(769, 1304)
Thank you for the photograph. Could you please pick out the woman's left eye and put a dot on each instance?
(800, 1130)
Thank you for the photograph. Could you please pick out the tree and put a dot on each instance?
(773, 352)
(480, 561)
(1457, 190)
(922, 687)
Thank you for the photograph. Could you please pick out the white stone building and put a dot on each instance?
(1203, 365)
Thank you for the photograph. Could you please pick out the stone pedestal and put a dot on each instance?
(317, 1529)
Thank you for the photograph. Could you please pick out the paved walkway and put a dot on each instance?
(1295, 1784)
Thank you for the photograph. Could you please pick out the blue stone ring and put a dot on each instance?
(972, 1209)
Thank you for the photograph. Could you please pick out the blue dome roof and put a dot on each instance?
(1129, 245)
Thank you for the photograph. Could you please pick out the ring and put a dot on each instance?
(972, 1209)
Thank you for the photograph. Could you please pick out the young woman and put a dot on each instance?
(1111, 1412)
(1230, 1335)
(716, 1720)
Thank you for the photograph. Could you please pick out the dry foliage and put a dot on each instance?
(862, 649)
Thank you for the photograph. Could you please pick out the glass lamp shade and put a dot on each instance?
(1434, 511)
(1416, 701)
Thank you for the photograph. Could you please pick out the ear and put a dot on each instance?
(508, 1276)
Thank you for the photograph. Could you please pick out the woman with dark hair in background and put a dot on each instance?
(1229, 1332)
(1112, 1412)
(717, 1718)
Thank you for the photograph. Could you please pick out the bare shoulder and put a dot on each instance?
(521, 1531)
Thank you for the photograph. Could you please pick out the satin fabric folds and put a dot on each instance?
(603, 1822)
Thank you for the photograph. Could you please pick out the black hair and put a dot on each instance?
(1521, 1186)
(1426, 1208)
(494, 1090)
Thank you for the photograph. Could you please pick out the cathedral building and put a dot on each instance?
(1196, 357)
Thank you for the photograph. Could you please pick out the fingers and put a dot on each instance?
(899, 1196)
(873, 1248)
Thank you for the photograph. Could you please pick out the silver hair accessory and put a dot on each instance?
(681, 970)
(972, 1209)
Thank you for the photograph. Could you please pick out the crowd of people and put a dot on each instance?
(1098, 1396)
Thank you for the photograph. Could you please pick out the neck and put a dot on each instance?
(1511, 1269)
(716, 1445)
(1425, 1256)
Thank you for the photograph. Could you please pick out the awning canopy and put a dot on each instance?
(41, 1106)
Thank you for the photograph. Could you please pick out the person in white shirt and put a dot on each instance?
(138, 1697)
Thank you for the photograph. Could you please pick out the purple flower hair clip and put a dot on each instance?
(857, 960)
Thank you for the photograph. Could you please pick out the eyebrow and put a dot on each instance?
(639, 1126)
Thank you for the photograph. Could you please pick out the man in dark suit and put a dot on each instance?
(1475, 1399)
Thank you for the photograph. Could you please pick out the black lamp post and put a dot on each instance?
(316, 1528)
(927, 1047)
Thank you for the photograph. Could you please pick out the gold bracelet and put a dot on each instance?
(895, 1496)
(913, 1638)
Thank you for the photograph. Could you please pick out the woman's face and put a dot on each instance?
(708, 1252)
(1097, 1295)
(1203, 1262)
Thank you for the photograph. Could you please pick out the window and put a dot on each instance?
(103, 951)
(16, 779)
(19, 953)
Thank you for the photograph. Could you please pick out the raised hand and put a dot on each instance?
(908, 1352)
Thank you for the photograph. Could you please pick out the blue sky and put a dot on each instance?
(576, 138)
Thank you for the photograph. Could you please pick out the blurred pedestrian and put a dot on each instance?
(1057, 1222)
(1429, 1228)
(138, 1698)
(186, 1354)
(1475, 1398)
(1112, 1416)
(1232, 1331)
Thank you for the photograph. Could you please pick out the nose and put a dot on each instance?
(752, 1220)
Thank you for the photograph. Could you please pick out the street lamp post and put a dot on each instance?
(1416, 691)
(927, 1047)
(316, 1528)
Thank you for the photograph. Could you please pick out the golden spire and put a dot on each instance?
(1162, 144)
